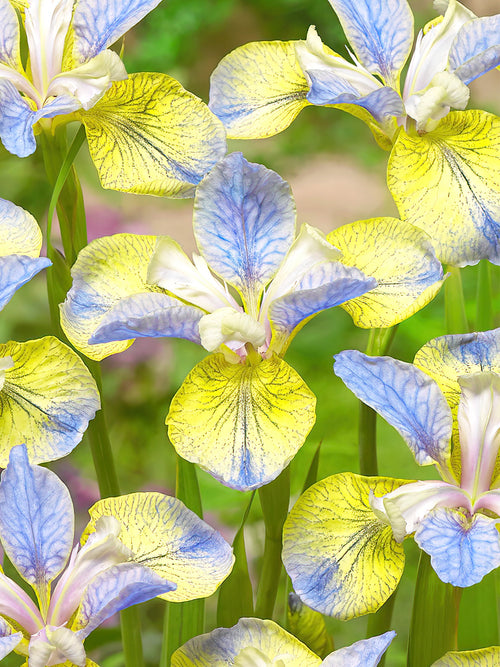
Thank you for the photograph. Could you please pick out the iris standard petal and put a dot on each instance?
(258, 89)
(97, 25)
(148, 315)
(114, 589)
(342, 559)
(475, 49)
(408, 273)
(484, 657)
(37, 520)
(323, 286)
(9, 35)
(241, 422)
(171, 540)
(365, 653)
(447, 182)
(106, 271)
(261, 642)
(150, 136)
(244, 224)
(15, 271)
(47, 400)
(381, 34)
(463, 549)
(405, 397)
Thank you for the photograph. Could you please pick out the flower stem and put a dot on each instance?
(434, 623)
(484, 315)
(274, 500)
(68, 200)
(454, 303)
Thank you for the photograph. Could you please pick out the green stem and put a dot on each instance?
(183, 620)
(454, 303)
(381, 621)
(274, 500)
(68, 200)
(434, 623)
(484, 297)
(379, 342)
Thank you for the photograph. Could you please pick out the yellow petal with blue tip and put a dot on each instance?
(407, 272)
(342, 558)
(88, 663)
(250, 642)
(169, 539)
(447, 182)
(243, 423)
(484, 657)
(258, 89)
(150, 136)
(106, 271)
(47, 399)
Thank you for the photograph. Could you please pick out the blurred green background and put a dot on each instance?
(186, 38)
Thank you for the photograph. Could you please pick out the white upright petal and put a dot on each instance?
(433, 46)
(89, 81)
(54, 645)
(231, 327)
(172, 270)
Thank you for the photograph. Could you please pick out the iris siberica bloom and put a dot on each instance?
(145, 132)
(443, 166)
(242, 413)
(483, 657)
(253, 642)
(343, 539)
(47, 395)
(135, 547)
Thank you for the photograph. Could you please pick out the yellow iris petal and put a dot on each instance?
(106, 271)
(258, 89)
(342, 559)
(46, 401)
(150, 136)
(241, 422)
(447, 182)
(484, 657)
(169, 539)
(407, 272)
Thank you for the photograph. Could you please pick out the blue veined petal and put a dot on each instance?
(244, 223)
(322, 287)
(97, 25)
(8, 639)
(19, 231)
(365, 653)
(476, 49)
(462, 549)
(404, 396)
(37, 520)
(17, 118)
(148, 315)
(381, 34)
(117, 588)
(17, 270)
(9, 35)
(328, 88)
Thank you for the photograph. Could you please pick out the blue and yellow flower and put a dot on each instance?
(243, 412)
(47, 395)
(145, 132)
(343, 539)
(136, 547)
(254, 642)
(444, 165)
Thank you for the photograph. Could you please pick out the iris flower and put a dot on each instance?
(253, 642)
(47, 395)
(145, 132)
(483, 657)
(135, 548)
(243, 412)
(343, 539)
(444, 165)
